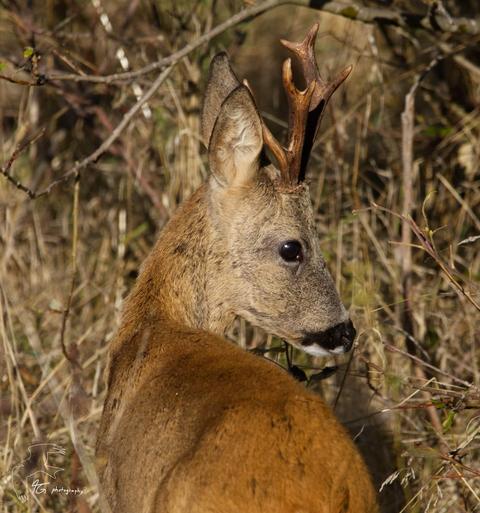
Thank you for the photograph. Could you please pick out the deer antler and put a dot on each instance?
(305, 108)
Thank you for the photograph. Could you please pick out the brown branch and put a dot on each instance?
(32, 83)
(5, 169)
(71, 356)
(408, 124)
(365, 14)
(434, 21)
(425, 238)
(65, 411)
(93, 157)
(427, 365)
(240, 17)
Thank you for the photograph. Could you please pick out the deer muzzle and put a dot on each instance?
(336, 340)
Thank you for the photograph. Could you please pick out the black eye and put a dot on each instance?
(291, 251)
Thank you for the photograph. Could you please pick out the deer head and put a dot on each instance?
(262, 214)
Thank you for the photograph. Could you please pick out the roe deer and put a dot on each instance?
(192, 423)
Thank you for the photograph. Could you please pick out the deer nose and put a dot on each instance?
(338, 339)
(344, 334)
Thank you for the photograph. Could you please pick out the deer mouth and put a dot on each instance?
(336, 340)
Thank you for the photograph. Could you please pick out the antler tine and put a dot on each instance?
(305, 52)
(276, 148)
(269, 139)
(298, 108)
(323, 90)
(305, 109)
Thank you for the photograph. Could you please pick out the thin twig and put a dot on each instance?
(240, 17)
(460, 200)
(434, 22)
(426, 243)
(66, 413)
(18, 81)
(408, 124)
(427, 365)
(344, 379)
(93, 157)
(66, 311)
(5, 169)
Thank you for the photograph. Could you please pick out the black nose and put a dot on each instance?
(340, 336)
(344, 335)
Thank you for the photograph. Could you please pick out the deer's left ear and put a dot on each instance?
(236, 141)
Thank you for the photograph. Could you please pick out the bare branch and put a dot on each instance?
(70, 355)
(31, 83)
(426, 244)
(240, 17)
(93, 157)
(408, 124)
(435, 21)
(5, 169)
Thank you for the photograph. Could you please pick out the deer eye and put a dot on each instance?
(291, 251)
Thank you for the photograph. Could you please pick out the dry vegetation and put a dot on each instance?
(396, 186)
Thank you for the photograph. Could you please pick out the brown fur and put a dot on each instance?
(192, 423)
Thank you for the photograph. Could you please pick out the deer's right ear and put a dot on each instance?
(236, 141)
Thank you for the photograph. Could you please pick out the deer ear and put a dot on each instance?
(236, 142)
(221, 82)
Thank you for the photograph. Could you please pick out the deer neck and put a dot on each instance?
(179, 281)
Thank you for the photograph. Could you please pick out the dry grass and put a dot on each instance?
(410, 392)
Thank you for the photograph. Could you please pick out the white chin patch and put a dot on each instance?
(316, 350)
